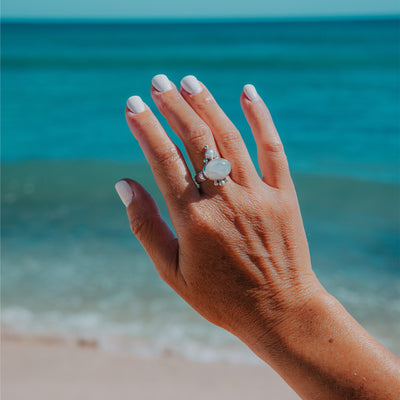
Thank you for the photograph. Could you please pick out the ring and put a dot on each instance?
(215, 169)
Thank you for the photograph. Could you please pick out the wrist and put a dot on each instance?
(320, 348)
(299, 321)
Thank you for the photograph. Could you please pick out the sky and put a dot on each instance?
(194, 8)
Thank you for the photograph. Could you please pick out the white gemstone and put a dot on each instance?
(217, 169)
(210, 154)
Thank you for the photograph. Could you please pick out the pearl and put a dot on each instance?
(210, 154)
(217, 169)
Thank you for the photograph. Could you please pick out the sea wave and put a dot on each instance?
(136, 337)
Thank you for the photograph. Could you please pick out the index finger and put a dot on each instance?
(165, 159)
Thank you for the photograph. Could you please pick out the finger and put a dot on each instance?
(192, 130)
(166, 161)
(271, 156)
(150, 229)
(227, 137)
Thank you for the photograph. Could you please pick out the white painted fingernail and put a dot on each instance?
(124, 191)
(135, 104)
(191, 84)
(251, 92)
(161, 83)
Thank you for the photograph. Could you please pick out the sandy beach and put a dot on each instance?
(35, 368)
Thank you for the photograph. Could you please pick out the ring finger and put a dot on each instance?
(184, 121)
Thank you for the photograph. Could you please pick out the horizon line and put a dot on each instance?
(298, 18)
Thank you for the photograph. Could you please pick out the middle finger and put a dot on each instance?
(184, 121)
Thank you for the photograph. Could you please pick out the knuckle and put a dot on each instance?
(199, 132)
(252, 203)
(165, 157)
(139, 225)
(196, 216)
(274, 147)
(231, 136)
(200, 220)
(255, 199)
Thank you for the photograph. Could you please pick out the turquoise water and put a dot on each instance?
(69, 264)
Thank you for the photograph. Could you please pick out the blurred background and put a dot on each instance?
(329, 74)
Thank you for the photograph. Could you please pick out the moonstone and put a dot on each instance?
(217, 169)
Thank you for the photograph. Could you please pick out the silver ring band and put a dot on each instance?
(200, 177)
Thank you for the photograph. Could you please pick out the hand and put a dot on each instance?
(241, 257)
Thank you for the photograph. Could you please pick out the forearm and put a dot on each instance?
(323, 353)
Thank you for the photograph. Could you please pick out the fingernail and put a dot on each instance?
(251, 92)
(135, 104)
(124, 191)
(161, 83)
(191, 84)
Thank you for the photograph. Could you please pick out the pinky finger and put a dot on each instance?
(271, 156)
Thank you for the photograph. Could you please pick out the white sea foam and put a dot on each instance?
(136, 337)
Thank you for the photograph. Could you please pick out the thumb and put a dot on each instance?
(150, 229)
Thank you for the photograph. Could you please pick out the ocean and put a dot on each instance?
(70, 266)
